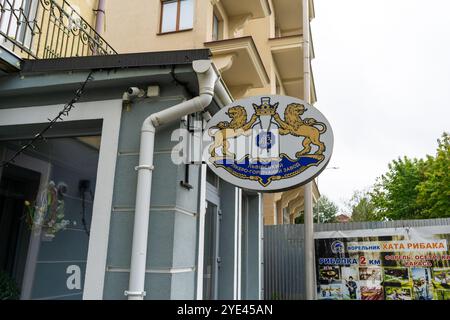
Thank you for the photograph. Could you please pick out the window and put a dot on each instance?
(17, 19)
(177, 15)
(219, 24)
(46, 206)
(215, 35)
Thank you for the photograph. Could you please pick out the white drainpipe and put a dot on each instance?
(207, 78)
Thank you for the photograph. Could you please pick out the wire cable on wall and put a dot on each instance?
(63, 113)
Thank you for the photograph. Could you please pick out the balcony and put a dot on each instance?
(288, 16)
(287, 54)
(43, 29)
(240, 64)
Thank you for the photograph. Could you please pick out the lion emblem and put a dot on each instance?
(225, 130)
(293, 124)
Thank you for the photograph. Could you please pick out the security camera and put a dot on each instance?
(134, 92)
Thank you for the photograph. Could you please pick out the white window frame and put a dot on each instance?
(110, 112)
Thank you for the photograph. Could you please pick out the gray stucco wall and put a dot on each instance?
(173, 213)
(251, 255)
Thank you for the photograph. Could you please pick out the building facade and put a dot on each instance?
(204, 238)
(256, 46)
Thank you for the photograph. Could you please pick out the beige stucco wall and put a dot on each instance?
(136, 29)
(259, 30)
(85, 8)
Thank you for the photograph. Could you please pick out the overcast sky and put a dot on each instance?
(382, 75)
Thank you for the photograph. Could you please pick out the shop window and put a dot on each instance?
(46, 207)
(177, 15)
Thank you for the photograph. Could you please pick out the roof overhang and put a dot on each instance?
(255, 8)
(239, 63)
(41, 76)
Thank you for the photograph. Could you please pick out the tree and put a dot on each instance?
(326, 209)
(415, 188)
(434, 191)
(394, 194)
(362, 208)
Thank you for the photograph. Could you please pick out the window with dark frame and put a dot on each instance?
(176, 15)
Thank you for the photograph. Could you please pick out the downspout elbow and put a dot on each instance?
(148, 125)
(204, 100)
(207, 78)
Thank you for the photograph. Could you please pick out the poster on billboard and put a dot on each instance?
(383, 264)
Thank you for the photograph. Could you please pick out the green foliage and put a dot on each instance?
(434, 191)
(326, 210)
(362, 207)
(395, 194)
(300, 219)
(411, 189)
(8, 288)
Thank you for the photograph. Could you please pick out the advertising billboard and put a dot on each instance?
(383, 264)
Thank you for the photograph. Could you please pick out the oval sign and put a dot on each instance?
(268, 143)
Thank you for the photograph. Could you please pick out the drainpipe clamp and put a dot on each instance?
(135, 293)
(151, 168)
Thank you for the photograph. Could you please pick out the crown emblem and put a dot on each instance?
(265, 108)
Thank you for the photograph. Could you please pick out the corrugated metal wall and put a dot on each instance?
(283, 253)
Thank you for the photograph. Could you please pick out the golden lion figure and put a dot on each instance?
(226, 130)
(294, 125)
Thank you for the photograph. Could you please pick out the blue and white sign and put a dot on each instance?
(268, 143)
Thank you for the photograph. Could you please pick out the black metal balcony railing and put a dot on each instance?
(43, 29)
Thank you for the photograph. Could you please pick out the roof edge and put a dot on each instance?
(129, 60)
